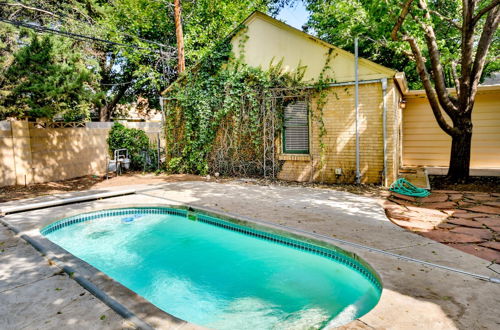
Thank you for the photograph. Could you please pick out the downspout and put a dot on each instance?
(162, 111)
(356, 107)
(384, 127)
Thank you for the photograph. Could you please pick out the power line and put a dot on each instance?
(74, 35)
(64, 16)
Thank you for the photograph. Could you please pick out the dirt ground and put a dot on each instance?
(88, 182)
(10, 193)
(476, 183)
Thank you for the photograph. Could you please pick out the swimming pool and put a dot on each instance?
(222, 274)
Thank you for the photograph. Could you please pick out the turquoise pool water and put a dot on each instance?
(222, 278)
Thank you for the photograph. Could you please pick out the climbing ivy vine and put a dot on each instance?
(225, 116)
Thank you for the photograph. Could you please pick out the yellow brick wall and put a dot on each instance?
(340, 138)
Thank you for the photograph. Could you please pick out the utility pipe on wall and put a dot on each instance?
(383, 81)
(384, 127)
(356, 108)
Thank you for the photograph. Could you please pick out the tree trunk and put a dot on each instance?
(181, 64)
(458, 171)
(107, 110)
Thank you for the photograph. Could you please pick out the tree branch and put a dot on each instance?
(444, 18)
(467, 46)
(429, 90)
(401, 19)
(383, 43)
(455, 76)
(483, 11)
(448, 103)
(17, 4)
(490, 27)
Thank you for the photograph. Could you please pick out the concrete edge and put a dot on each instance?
(69, 200)
(81, 280)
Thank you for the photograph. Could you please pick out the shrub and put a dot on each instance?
(134, 140)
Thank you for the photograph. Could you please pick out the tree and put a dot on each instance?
(477, 27)
(127, 73)
(47, 80)
(181, 62)
(445, 44)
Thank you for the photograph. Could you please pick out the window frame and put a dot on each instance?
(283, 135)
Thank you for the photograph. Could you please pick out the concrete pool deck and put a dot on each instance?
(414, 296)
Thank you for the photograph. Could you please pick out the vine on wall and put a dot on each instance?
(321, 88)
(225, 116)
(219, 116)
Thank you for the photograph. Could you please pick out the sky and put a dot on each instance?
(295, 15)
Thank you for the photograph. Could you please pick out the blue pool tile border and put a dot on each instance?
(352, 261)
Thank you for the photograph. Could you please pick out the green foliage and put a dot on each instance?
(127, 73)
(322, 94)
(134, 140)
(217, 94)
(46, 79)
(339, 22)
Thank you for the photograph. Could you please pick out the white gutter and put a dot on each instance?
(356, 108)
(383, 81)
(384, 127)
(57, 202)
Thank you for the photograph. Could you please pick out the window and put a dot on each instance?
(296, 129)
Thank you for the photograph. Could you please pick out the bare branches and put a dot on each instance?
(483, 11)
(401, 19)
(17, 4)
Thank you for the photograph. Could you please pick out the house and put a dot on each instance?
(265, 41)
(270, 40)
(425, 145)
(366, 145)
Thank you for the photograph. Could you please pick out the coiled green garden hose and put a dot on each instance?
(402, 186)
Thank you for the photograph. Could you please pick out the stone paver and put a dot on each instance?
(482, 234)
(484, 209)
(492, 223)
(464, 214)
(467, 221)
(434, 198)
(439, 205)
(447, 236)
(455, 197)
(494, 204)
(478, 250)
(492, 245)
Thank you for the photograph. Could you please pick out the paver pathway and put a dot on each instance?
(468, 221)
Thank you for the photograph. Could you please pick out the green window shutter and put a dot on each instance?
(296, 129)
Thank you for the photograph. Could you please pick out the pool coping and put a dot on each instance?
(143, 313)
